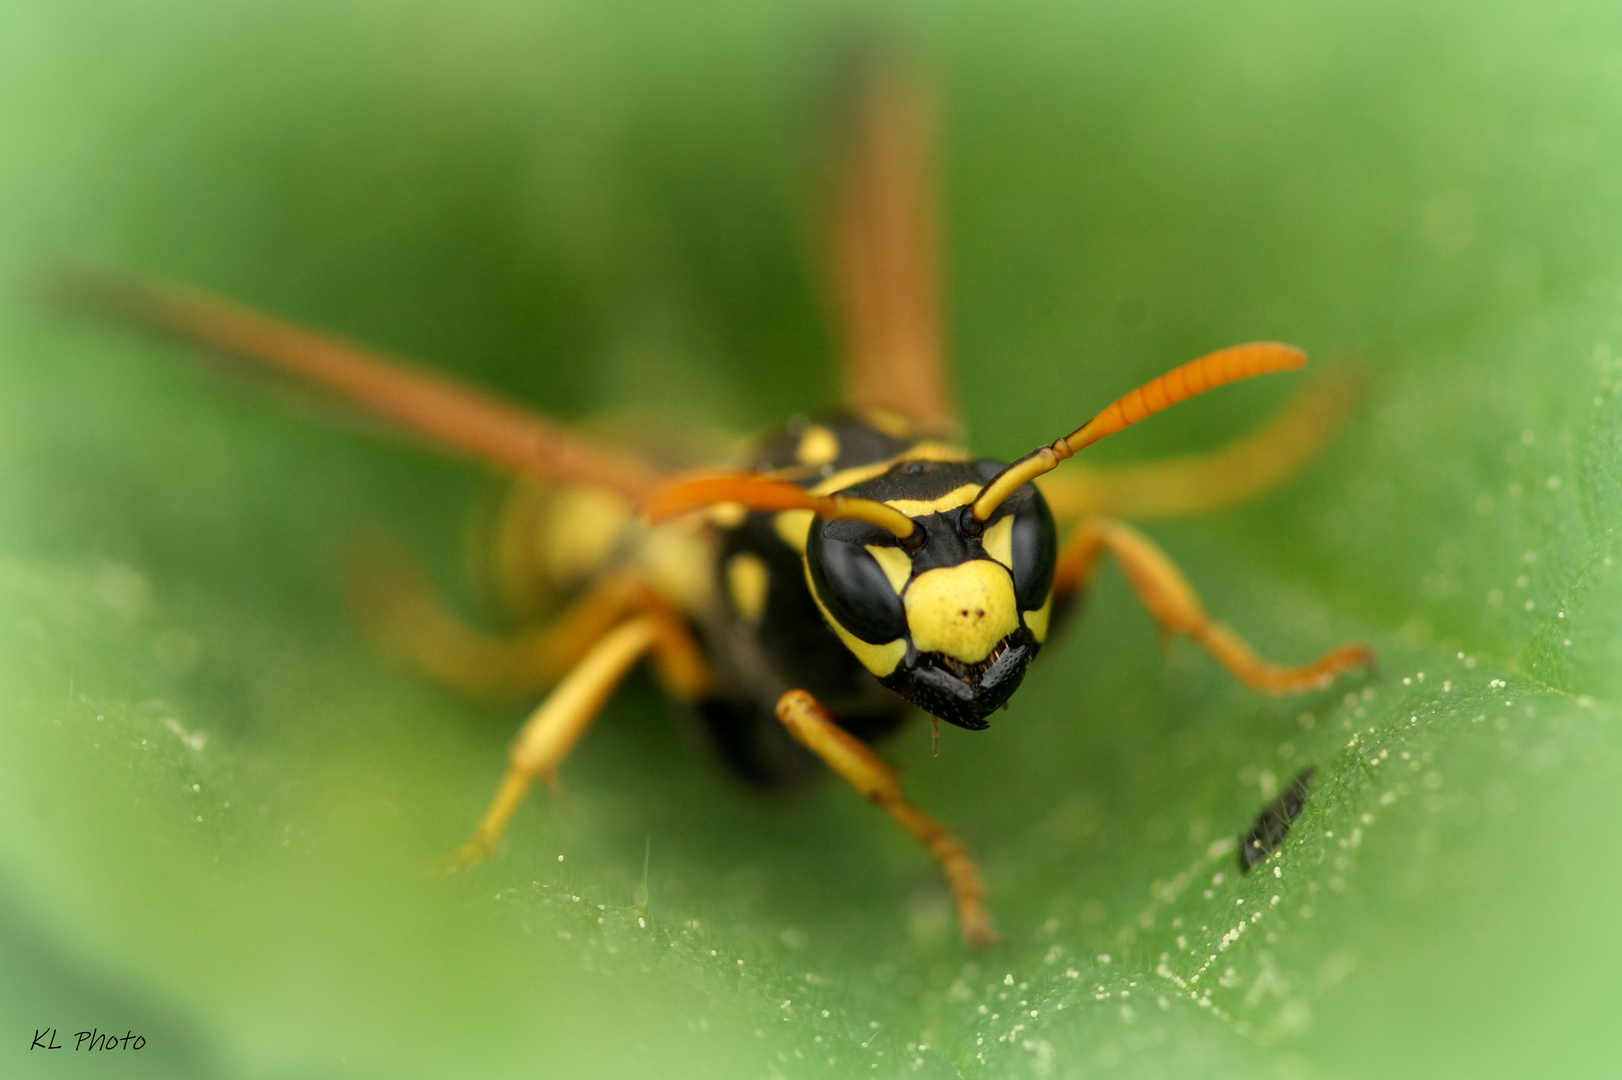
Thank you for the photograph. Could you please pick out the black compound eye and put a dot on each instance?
(1035, 549)
(854, 588)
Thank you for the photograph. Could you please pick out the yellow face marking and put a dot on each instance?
(879, 659)
(818, 446)
(924, 451)
(950, 501)
(896, 564)
(793, 527)
(999, 541)
(1037, 621)
(746, 585)
(963, 610)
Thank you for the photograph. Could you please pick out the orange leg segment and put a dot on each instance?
(399, 605)
(396, 602)
(865, 771)
(1173, 603)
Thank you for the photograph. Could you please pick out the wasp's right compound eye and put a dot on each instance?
(850, 582)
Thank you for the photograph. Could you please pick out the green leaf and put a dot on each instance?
(216, 801)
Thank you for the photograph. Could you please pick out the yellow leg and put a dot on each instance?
(865, 771)
(678, 659)
(399, 606)
(552, 731)
(1172, 601)
(1199, 483)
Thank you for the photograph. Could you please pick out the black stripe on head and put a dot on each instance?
(922, 480)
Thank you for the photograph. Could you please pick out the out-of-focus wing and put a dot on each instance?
(451, 415)
(886, 278)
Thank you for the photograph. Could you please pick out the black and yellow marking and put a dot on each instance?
(747, 583)
(944, 618)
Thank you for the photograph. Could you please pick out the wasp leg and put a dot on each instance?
(553, 729)
(400, 607)
(678, 658)
(1173, 603)
(1199, 483)
(865, 771)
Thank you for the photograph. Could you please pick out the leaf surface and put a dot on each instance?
(216, 801)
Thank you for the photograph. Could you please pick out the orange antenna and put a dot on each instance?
(1179, 384)
(768, 494)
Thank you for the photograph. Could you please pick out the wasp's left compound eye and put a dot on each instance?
(851, 584)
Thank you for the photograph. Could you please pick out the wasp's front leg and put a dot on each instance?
(552, 730)
(1175, 606)
(865, 771)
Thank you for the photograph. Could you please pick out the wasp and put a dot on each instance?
(803, 599)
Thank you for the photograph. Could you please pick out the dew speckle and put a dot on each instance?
(193, 740)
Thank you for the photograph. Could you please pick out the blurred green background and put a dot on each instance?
(216, 799)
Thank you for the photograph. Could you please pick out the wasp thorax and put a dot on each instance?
(950, 617)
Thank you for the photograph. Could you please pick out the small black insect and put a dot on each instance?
(1272, 825)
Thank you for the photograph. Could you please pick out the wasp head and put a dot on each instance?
(950, 616)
